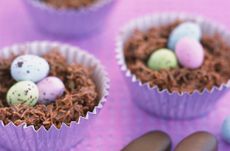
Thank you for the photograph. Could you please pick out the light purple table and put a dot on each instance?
(121, 121)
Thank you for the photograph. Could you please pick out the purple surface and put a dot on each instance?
(121, 121)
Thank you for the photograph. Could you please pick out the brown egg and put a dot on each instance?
(151, 141)
(199, 141)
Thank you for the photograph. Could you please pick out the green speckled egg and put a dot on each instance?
(162, 59)
(24, 92)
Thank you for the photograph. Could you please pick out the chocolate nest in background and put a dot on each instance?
(215, 70)
(79, 98)
(74, 4)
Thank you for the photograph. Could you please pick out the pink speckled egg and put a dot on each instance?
(190, 53)
(50, 89)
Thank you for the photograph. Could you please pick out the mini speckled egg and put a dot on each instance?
(50, 89)
(29, 67)
(225, 129)
(190, 53)
(23, 92)
(187, 29)
(162, 59)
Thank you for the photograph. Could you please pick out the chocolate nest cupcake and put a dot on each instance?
(66, 4)
(178, 64)
(69, 18)
(80, 95)
(49, 93)
(214, 71)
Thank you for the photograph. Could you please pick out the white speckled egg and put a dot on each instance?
(50, 89)
(29, 67)
(23, 92)
(187, 29)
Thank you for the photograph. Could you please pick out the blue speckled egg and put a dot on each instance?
(225, 130)
(187, 29)
(30, 68)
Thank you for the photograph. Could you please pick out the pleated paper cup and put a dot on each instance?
(69, 22)
(162, 103)
(26, 138)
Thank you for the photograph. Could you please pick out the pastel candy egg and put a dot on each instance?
(187, 29)
(29, 67)
(23, 92)
(162, 59)
(50, 89)
(190, 53)
(225, 129)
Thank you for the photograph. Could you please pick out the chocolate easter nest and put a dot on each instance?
(73, 4)
(215, 70)
(80, 96)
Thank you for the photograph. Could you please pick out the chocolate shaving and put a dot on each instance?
(73, 4)
(80, 96)
(215, 70)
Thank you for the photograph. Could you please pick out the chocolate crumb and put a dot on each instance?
(65, 109)
(215, 70)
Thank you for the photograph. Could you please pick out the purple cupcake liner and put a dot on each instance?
(69, 22)
(163, 103)
(26, 138)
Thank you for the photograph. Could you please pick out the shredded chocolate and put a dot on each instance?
(79, 98)
(73, 4)
(214, 71)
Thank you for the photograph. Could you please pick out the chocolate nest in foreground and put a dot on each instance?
(79, 98)
(73, 4)
(215, 70)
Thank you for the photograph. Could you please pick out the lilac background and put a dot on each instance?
(121, 121)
